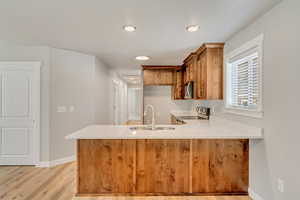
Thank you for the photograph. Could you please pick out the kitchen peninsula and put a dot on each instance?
(203, 157)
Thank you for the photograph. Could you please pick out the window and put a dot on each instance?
(244, 79)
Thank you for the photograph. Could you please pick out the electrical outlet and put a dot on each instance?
(280, 185)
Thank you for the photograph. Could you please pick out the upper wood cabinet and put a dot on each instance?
(158, 75)
(204, 68)
(200, 84)
(190, 65)
(178, 85)
(209, 75)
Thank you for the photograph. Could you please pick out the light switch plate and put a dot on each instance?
(71, 108)
(61, 109)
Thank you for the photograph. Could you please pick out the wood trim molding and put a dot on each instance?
(209, 45)
(162, 194)
(190, 57)
(170, 67)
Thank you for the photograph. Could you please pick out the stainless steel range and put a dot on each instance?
(203, 113)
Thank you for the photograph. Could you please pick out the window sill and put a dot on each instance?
(243, 112)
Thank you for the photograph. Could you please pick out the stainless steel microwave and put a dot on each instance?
(188, 90)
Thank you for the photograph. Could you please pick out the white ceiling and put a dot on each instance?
(95, 26)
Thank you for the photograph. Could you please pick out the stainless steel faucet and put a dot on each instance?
(153, 115)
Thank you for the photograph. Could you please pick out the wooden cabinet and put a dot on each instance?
(220, 166)
(185, 79)
(165, 75)
(178, 85)
(200, 83)
(158, 77)
(162, 167)
(106, 166)
(209, 75)
(190, 64)
(204, 68)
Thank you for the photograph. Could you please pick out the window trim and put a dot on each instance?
(254, 43)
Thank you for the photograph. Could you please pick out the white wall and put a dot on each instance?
(277, 155)
(115, 80)
(68, 79)
(135, 101)
(101, 93)
(72, 84)
(14, 52)
(160, 98)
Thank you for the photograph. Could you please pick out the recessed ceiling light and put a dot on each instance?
(142, 58)
(129, 28)
(192, 28)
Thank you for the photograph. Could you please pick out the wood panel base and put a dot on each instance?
(162, 167)
(161, 194)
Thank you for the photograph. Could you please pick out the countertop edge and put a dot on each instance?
(210, 128)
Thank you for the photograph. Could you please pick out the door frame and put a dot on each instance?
(35, 66)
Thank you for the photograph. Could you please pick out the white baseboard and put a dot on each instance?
(53, 163)
(254, 195)
(43, 164)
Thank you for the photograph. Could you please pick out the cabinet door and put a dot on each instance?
(197, 79)
(202, 76)
(188, 73)
(179, 85)
(158, 77)
(214, 73)
(220, 166)
(185, 76)
(149, 77)
(106, 166)
(162, 166)
(165, 77)
(192, 70)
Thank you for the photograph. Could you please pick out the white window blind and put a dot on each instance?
(244, 79)
(245, 82)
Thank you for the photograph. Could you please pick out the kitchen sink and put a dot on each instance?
(147, 128)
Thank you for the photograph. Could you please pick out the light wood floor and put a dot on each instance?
(58, 183)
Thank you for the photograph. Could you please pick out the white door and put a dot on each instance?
(19, 113)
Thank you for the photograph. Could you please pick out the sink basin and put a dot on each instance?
(157, 128)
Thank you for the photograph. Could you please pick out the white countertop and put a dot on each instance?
(215, 128)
